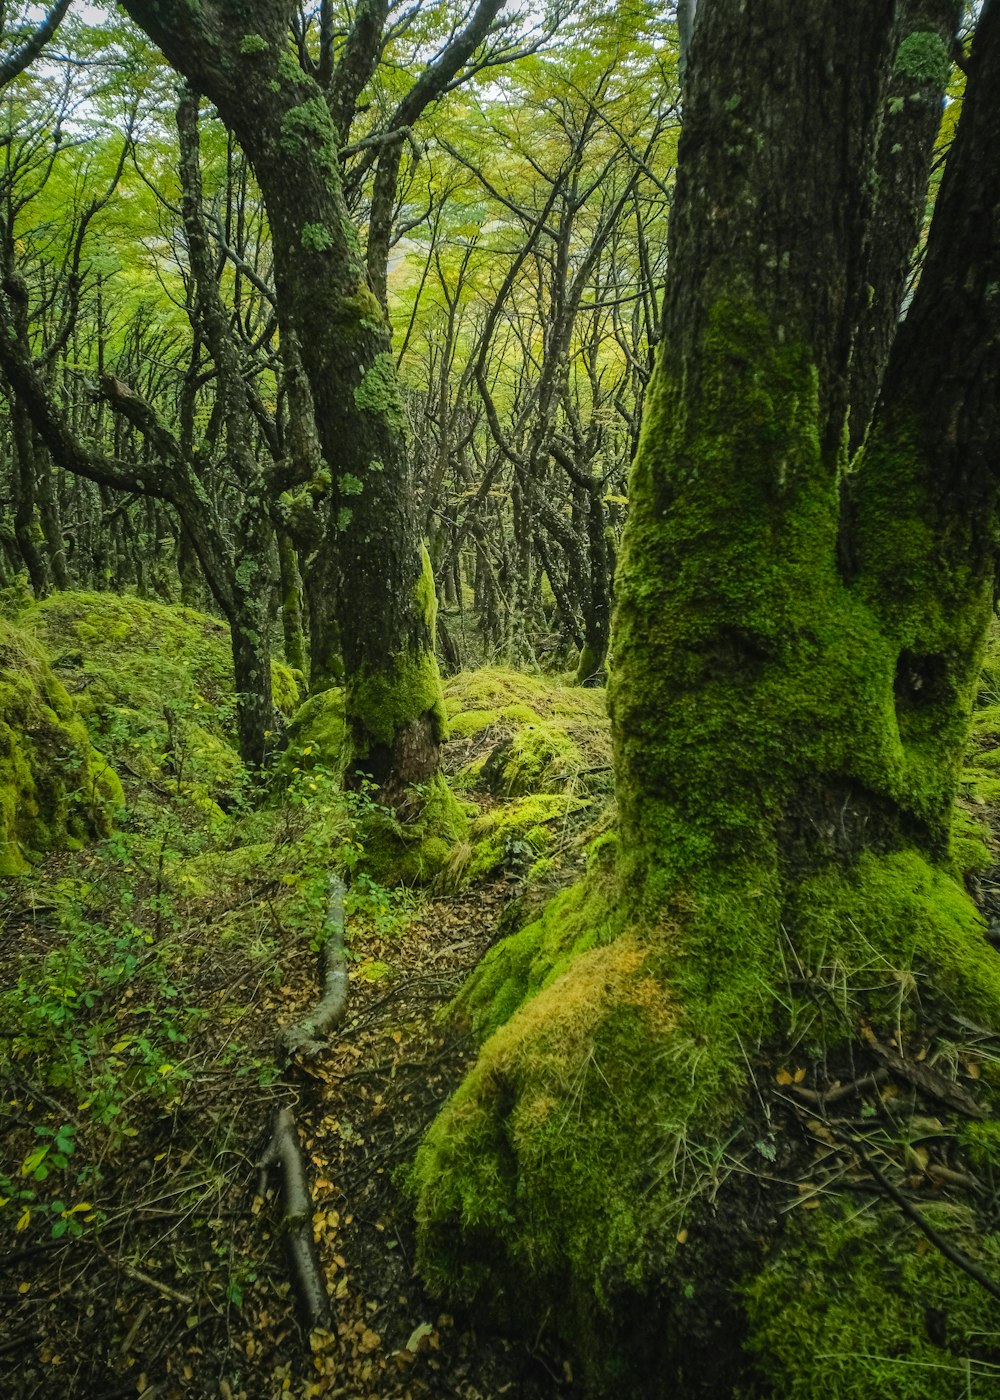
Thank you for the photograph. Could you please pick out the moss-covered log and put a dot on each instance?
(790, 703)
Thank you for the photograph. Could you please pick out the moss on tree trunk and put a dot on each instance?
(788, 720)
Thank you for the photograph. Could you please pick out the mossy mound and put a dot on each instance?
(513, 837)
(412, 849)
(55, 788)
(154, 685)
(317, 736)
(626, 1074)
(856, 1302)
(519, 733)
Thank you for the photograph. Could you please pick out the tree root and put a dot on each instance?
(284, 1151)
(307, 1037)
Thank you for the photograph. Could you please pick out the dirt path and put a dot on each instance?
(181, 1287)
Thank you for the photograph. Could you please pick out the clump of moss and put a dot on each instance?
(317, 735)
(56, 790)
(531, 734)
(514, 835)
(154, 685)
(837, 1313)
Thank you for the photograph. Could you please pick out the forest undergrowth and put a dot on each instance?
(149, 971)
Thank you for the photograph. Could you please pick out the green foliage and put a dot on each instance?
(253, 43)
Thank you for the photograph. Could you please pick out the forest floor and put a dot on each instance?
(183, 1290)
(149, 974)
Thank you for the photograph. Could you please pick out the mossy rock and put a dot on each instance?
(530, 733)
(154, 685)
(56, 789)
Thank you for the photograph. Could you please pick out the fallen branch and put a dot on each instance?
(307, 1037)
(923, 1077)
(822, 1097)
(284, 1151)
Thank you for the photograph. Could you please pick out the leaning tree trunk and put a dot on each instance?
(241, 60)
(782, 898)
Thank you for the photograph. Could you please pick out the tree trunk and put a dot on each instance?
(782, 895)
(385, 591)
(914, 102)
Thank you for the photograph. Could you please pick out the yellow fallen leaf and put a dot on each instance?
(783, 1077)
(22, 1224)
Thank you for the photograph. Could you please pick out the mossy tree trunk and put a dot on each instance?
(243, 62)
(789, 716)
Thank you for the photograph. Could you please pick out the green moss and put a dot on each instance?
(317, 735)
(289, 70)
(924, 57)
(378, 392)
(517, 832)
(56, 790)
(316, 238)
(381, 704)
(521, 965)
(308, 127)
(836, 1314)
(414, 852)
(154, 685)
(544, 735)
(253, 43)
(384, 703)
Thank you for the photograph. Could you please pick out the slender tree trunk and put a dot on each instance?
(291, 602)
(913, 107)
(27, 528)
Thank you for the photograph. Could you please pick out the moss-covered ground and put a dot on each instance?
(153, 945)
(602, 1112)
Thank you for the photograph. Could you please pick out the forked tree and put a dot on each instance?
(796, 649)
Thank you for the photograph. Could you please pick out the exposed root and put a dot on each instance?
(306, 1037)
(284, 1151)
